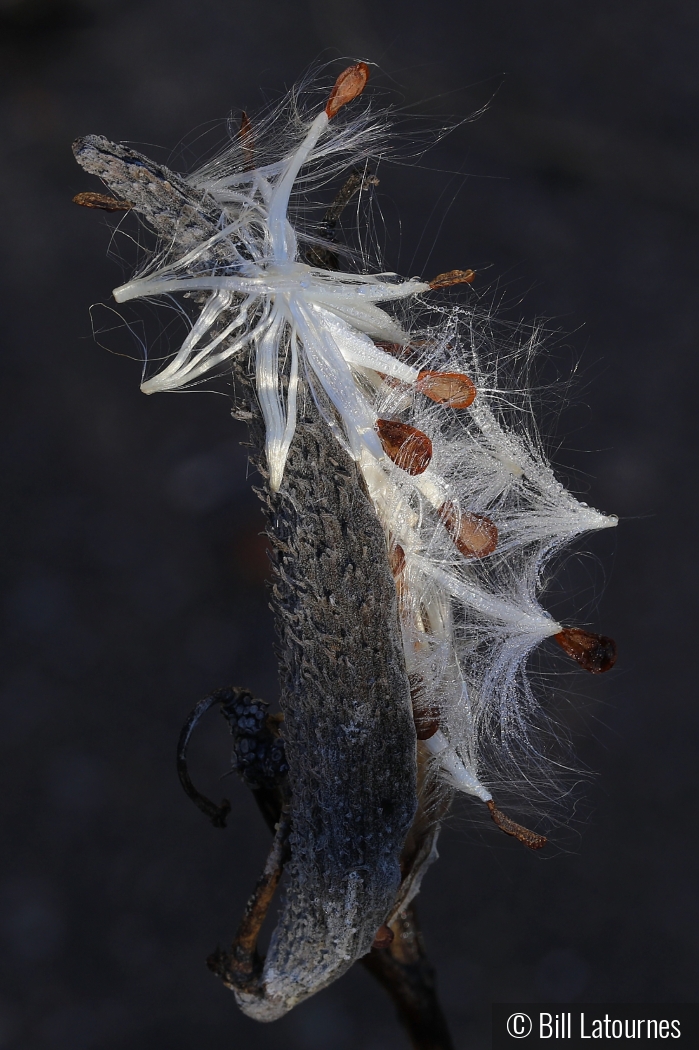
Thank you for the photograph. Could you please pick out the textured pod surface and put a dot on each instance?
(348, 729)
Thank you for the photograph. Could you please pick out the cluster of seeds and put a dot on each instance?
(471, 511)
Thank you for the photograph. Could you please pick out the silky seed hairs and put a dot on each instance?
(411, 511)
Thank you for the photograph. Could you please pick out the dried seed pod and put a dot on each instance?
(447, 388)
(101, 200)
(595, 652)
(408, 447)
(510, 827)
(446, 280)
(348, 85)
(384, 937)
(345, 642)
(474, 535)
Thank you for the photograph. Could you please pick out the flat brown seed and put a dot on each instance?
(510, 827)
(395, 349)
(447, 388)
(396, 559)
(427, 722)
(348, 85)
(417, 689)
(595, 652)
(100, 200)
(446, 280)
(427, 718)
(474, 535)
(384, 937)
(247, 140)
(408, 447)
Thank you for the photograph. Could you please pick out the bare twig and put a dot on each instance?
(404, 971)
(241, 969)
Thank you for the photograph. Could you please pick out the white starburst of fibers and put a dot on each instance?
(471, 510)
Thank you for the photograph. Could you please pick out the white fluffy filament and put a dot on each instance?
(469, 621)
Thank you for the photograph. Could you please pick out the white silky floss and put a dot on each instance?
(469, 623)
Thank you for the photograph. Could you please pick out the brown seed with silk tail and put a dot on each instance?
(474, 535)
(447, 388)
(396, 559)
(446, 280)
(247, 141)
(350, 83)
(595, 652)
(408, 447)
(426, 716)
(427, 722)
(510, 827)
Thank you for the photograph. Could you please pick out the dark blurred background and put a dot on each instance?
(134, 576)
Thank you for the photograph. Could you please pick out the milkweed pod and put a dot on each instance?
(408, 447)
(474, 535)
(447, 388)
(595, 652)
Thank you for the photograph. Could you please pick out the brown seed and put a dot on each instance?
(473, 534)
(395, 349)
(529, 838)
(247, 139)
(384, 937)
(595, 652)
(348, 85)
(396, 559)
(427, 722)
(391, 382)
(100, 200)
(447, 388)
(425, 716)
(408, 447)
(417, 689)
(446, 280)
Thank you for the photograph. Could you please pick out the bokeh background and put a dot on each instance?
(134, 572)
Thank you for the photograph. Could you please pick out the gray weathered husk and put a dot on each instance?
(348, 729)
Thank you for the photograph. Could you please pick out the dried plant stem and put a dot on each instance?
(404, 971)
(242, 968)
